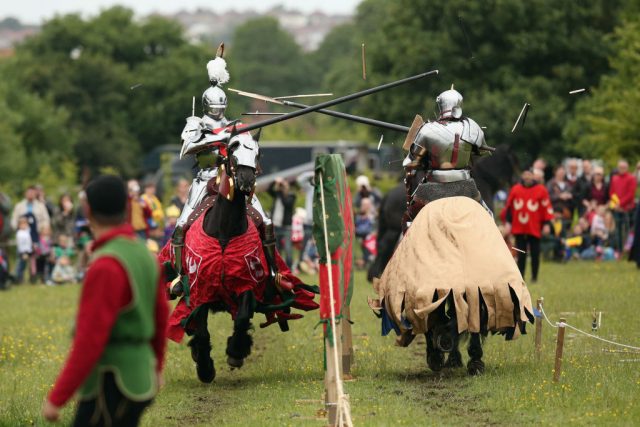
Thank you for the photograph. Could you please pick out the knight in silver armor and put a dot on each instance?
(441, 154)
(200, 132)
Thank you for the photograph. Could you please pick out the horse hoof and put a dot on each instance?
(206, 371)
(235, 363)
(454, 361)
(435, 362)
(475, 367)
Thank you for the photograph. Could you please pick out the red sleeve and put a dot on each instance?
(105, 292)
(159, 341)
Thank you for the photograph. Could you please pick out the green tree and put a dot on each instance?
(606, 123)
(125, 83)
(35, 135)
(264, 58)
(498, 53)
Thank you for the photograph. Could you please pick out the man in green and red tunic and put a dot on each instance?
(120, 336)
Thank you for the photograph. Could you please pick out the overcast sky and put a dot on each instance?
(34, 11)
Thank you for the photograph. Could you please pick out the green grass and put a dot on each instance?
(281, 383)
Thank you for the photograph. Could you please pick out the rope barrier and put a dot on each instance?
(564, 324)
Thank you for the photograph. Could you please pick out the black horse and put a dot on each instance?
(490, 174)
(226, 219)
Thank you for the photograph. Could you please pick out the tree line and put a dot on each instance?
(96, 93)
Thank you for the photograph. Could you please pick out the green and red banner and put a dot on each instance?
(340, 233)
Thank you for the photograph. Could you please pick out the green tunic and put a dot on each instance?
(129, 354)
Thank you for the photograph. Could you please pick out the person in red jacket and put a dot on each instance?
(118, 349)
(623, 186)
(528, 207)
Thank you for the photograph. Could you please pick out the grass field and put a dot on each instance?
(281, 382)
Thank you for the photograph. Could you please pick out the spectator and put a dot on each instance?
(577, 242)
(561, 197)
(364, 226)
(282, 216)
(587, 170)
(139, 211)
(551, 239)
(364, 190)
(181, 194)
(44, 255)
(35, 210)
(83, 237)
(24, 244)
(578, 185)
(63, 247)
(297, 232)
(598, 228)
(527, 209)
(305, 182)
(622, 191)
(598, 190)
(42, 197)
(157, 213)
(172, 215)
(64, 218)
(637, 173)
(118, 348)
(63, 272)
(538, 175)
(541, 165)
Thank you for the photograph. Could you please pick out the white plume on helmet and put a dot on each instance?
(217, 70)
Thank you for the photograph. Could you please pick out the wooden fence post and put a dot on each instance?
(559, 347)
(539, 328)
(347, 344)
(331, 378)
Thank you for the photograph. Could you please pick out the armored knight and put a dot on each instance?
(205, 137)
(440, 156)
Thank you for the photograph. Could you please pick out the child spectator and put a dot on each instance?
(577, 242)
(44, 255)
(63, 272)
(551, 239)
(364, 226)
(172, 215)
(24, 250)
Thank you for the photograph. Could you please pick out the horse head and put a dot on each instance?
(243, 155)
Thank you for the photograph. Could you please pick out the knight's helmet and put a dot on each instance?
(214, 100)
(449, 104)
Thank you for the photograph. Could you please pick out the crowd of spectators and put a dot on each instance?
(52, 240)
(579, 213)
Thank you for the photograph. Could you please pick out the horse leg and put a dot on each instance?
(475, 365)
(435, 357)
(201, 348)
(454, 359)
(239, 344)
